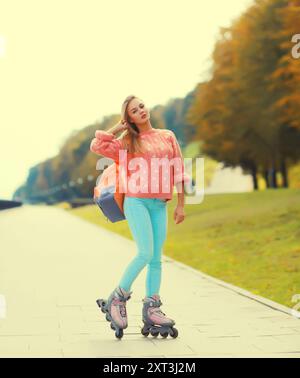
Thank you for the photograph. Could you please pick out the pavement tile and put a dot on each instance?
(54, 313)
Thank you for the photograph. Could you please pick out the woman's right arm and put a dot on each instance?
(105, 142)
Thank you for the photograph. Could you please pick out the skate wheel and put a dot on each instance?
(154, 333)
(144, 332)
(112, 326)
(119, 333)
(164, 334)
(174, 333)
(101, 304)
(107, 317)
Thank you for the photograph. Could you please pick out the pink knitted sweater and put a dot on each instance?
(151, 174)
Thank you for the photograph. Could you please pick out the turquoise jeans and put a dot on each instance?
(147, 219)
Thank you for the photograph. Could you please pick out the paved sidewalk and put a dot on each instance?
(55, 265)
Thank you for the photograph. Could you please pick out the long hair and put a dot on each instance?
(130, 137)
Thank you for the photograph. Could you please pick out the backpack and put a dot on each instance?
(107, 196)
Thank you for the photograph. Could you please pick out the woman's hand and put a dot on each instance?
(122, 125)
(179, 214)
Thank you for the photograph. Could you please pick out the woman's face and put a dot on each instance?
(137, 111)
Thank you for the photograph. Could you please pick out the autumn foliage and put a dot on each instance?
(248, 112)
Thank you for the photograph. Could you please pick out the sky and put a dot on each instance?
(65, 64)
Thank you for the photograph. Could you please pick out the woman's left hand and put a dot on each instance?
(179, 214)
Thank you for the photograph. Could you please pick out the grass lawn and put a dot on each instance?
(251, 240)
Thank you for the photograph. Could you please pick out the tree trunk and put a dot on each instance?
(273, 178)
(254, 177)
(266, 177)
(285, 183)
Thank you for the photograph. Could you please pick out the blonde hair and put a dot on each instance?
(129, 137)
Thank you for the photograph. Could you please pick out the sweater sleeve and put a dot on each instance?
(106, 144)
(179, 170)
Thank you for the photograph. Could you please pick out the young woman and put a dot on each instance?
(145, 208)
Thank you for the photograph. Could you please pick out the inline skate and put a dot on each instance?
(155, 321)
(115, 309)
